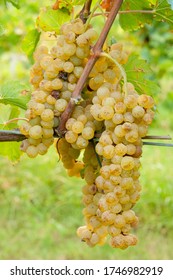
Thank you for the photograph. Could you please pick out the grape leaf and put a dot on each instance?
(138, 73)
(30, 41)
(163, 12)
(171, 3)
(159, 10)
(11, 93)
(9, 149)
(15, 3)
(134, 21)
(7, 113)
(69, 4)
(51, 20)
(2, 30)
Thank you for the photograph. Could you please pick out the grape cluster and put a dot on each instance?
(103, 139)
(117, 187)
(54, 76)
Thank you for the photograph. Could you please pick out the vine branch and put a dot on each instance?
(93, 58)
(85, 12)
(16, 135)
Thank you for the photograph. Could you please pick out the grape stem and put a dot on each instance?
(123, 73)
(85, 12)
(96, 51)
(15, 120)
(97, 156)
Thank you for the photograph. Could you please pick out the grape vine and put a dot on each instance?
(82, 96)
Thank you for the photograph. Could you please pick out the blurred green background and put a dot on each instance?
(40, 207)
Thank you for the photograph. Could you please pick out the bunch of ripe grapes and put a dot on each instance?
(103, 139)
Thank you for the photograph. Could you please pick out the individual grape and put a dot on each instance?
(71, 137)
(138, 112)
(60, 105)
(81, 142)
(77, 127)
(42, 149)
(88, 133)
(127, 163)
(32, 151)
(47, 132)
(106, 112)
(36, 132)
(47, 115)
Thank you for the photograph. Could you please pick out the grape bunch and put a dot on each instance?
(103, 139)
(54, 76)
(108, 209)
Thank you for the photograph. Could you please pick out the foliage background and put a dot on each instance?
(40, 206)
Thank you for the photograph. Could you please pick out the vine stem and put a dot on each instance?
(96, 50)
(84, 13)
(15, 120)
(158, 144)
(16, 135)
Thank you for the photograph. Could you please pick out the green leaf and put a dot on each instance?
(2, 30)
(30, 41)
(11, 150)
(51, 20)
(159, 10)
(138, 73)
(134, 21)
(70, 4)
(11, 93)
(171, 3)
(15, 3)
(7, 113)
(163, 12)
